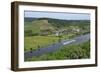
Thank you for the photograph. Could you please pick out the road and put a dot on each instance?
(55, 47)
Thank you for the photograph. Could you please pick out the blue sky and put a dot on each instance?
(57, 15)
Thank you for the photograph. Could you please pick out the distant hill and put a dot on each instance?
(49, 25)
(59, 22)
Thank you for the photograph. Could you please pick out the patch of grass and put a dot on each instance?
(36, 42)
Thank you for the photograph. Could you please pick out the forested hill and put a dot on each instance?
(60, 23)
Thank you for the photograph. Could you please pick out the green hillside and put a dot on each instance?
(38, 27)
(48, 26)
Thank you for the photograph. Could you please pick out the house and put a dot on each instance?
(56, 33)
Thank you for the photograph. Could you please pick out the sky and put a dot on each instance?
(57, 15)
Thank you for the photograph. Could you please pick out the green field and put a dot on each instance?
(36, 42)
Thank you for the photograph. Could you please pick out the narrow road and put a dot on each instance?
(55, 47)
